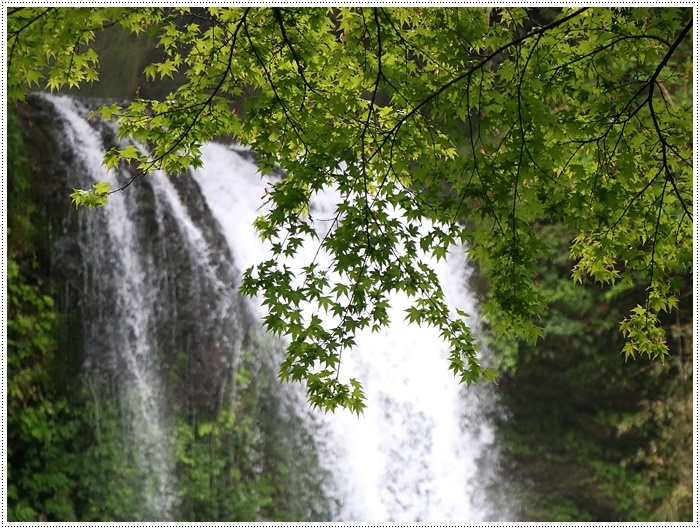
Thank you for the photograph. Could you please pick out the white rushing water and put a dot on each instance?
(413, 455)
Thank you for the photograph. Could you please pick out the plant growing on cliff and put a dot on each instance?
(482, 121)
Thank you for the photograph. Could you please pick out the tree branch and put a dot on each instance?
(479, 66)
(198, 114)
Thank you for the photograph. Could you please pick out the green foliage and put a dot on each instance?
(67, 460)
(216, 467)
(108, 485)
(484, 121)
(591, 437)
(219, 463)
(573, 458)
(39, 424)
(91, 199)
(249, 463)
(39, 427)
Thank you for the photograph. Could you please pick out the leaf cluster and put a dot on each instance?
(589, 436)
(435, 127)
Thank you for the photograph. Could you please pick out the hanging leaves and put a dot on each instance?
(435, 126)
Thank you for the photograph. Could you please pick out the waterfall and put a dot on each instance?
(413, 455)
(159, 266)
(114, 273)
(149, 269)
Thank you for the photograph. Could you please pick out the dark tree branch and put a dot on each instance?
(268, 76)
(653, 244)
(198, 114)
(664, 143)
(300, 67)
(596, 51)
(481, 64)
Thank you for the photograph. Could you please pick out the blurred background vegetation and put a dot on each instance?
(589, 436)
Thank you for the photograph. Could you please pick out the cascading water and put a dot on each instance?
(413, 455)
(149, 272)
(160, 265)
(118, 288)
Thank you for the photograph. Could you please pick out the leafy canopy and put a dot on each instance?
(486, 122)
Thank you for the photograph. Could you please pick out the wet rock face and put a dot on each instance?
(152, 262)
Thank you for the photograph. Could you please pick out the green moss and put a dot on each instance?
(20, 210)
(253, 462)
